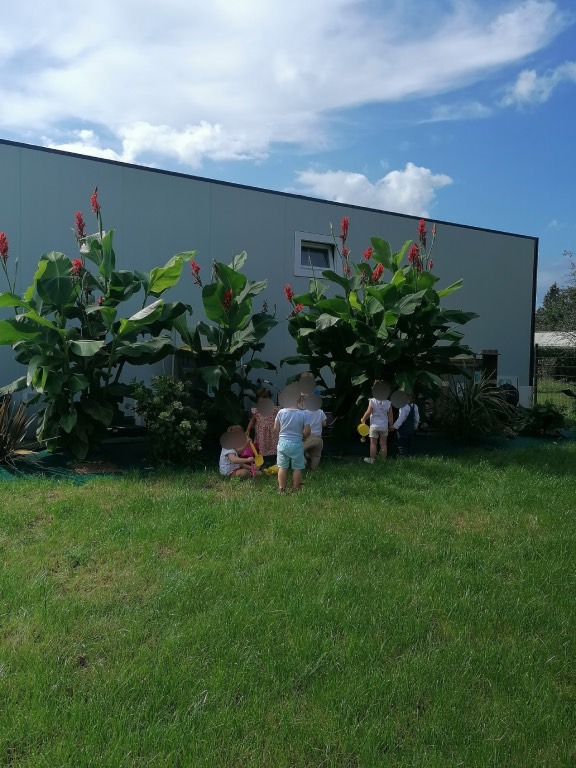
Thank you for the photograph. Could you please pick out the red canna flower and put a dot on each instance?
(347, 270)
(345, 252)
(422, 232)
(80, 226)
(298, 308)
(101, 301)
(76, 266)
(344, 229)
(434, 230)
(413, 254)
(195, 269)
(368, 253)
(289, 293)
(3, 247)
(430, 265)
(377, 274)
(228, 295)
(94, 202)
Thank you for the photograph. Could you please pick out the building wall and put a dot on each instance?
(157, 214)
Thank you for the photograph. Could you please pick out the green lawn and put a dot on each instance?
(417, 613)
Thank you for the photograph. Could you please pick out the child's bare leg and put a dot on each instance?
(282, 477)
(383, 447)
(242, 473)
(373, 447)
(296, 479)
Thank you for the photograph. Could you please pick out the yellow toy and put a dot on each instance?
(363, 430)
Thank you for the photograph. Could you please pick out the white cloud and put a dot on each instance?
(530, 88)
(411, 191)
(84, 143)
(467, 111)
(190, 80)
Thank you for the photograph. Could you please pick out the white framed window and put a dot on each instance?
(312, 253)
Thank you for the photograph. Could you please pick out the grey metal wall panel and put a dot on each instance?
(157, 214)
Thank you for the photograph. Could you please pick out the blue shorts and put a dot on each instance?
(290, 452)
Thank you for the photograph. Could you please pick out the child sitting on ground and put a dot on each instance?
(232, 462)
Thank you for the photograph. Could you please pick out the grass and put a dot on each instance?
(550, 391)
(417, 613)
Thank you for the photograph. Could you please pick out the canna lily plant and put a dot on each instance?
(222, 352)
(68, 332)
(381, 320)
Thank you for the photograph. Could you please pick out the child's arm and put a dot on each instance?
(306, 431)
(233, 458)
(368, 413)
(251, 424)
(390, 417)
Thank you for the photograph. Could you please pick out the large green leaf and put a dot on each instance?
(162, 278)
(382, 253)
(108, 262)
(212, 374)
(141, 319)
(123, 284)
(86, 348)
(238, 261)
(143, 352)
(334, 277)
(69, 419)
(451, 288)
(212, 297)
(12, 330)
(252, 288)
(230, 278)
(326, 321)
(15, 386)
(8, 299)
(53, 278)
(399, 255)
(77, 382)
(100, 410)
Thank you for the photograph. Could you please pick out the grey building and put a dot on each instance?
(157, 214)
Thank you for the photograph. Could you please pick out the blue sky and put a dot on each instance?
(457, 110)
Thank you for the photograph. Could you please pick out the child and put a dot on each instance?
(232, 463)
(292, 426)
(262, 421)
(314, 444)
(405, 426)
(380, 412)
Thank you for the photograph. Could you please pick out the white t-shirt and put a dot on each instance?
(316, 421)
(291, 422)
(379, 415)
(226, 466)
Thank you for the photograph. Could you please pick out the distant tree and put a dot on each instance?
(558, 310)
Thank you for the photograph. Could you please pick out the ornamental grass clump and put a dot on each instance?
(14, 426)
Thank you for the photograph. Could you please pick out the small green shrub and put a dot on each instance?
(174, 427)
(475, 408)
(14, 425)
(540, 420)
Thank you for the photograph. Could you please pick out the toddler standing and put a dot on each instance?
(380, 413)
(292, 426)
(262, 421)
